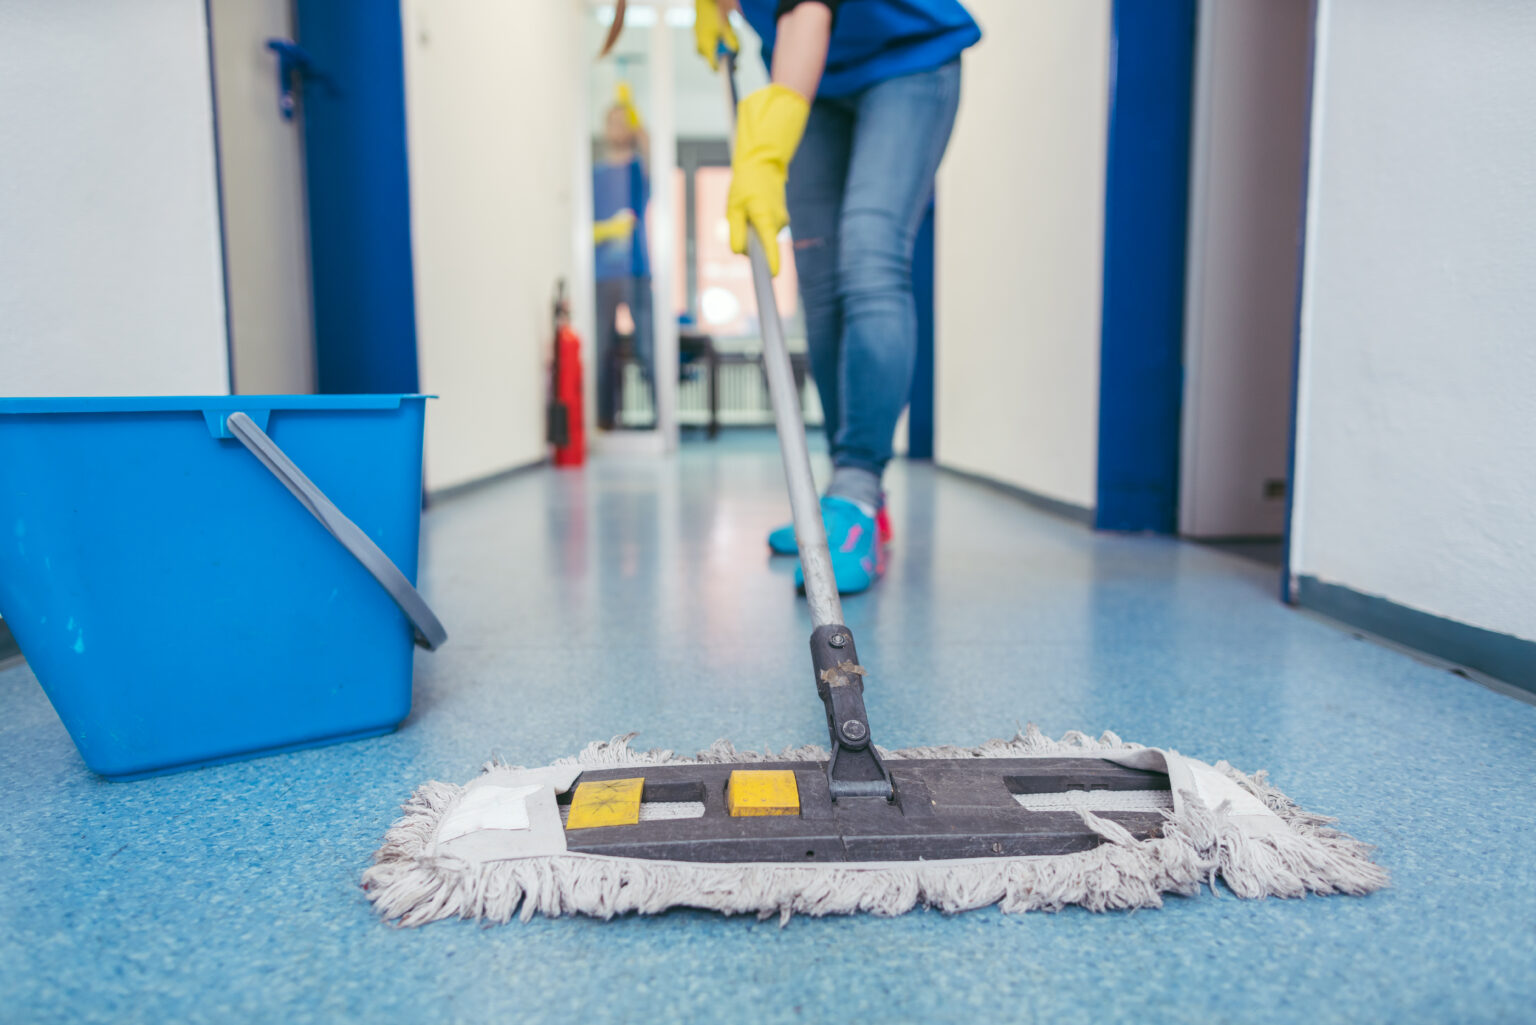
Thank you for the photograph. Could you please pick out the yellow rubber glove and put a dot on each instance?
(625, 98)
(769, 124)
(710, 29)
(617, 228)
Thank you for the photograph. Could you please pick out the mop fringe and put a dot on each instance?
(411, 884)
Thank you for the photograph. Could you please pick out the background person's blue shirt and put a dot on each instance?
(877, 40)
(618, 187)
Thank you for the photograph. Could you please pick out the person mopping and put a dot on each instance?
(621, 190)
(843, 144)
(852, 828)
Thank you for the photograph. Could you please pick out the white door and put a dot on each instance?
(266, 230)
(1247, 179)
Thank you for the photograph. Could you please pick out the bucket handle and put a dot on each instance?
(429, 631)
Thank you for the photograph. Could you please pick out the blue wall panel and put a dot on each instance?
(359, 196)
(920, 413)
(1146, 202)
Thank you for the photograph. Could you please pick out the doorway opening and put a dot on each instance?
(1247, 201)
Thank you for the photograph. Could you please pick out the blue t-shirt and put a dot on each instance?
(877, 40)
(618, 187)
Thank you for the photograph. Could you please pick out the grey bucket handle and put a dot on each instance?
(429, 631)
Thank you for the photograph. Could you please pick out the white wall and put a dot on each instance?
(111, 279)
(1019, 258)
(1247, 162)
(1417, 443)
(491, 111)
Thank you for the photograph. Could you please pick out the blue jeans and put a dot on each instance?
(858, 188)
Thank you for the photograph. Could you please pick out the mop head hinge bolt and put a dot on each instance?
(855, 768)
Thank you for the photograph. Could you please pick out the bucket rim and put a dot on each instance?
(200, 403)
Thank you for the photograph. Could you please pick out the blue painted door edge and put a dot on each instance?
(1146, 200)
(1289, 586)
(359, 196)
(920, 410)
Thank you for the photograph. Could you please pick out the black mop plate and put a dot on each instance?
(944, 808)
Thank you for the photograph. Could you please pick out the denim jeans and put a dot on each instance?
(858, 188)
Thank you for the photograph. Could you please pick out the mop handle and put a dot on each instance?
(804, 504)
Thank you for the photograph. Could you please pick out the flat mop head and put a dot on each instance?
(1028, 824)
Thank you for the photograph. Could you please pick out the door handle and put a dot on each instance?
(293, 64)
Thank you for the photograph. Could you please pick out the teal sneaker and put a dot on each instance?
(858, 557)
(782, 541)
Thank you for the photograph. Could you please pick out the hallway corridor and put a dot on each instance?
(639, 595)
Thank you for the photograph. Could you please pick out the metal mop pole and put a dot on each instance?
(810, 532)
(855, 769)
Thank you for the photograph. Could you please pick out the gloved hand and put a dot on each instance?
(625, 98)
(711, 28)
(769, 124)
(617, 228)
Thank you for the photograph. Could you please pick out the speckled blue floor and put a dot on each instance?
(640, 596)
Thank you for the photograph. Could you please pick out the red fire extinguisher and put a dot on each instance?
(564, 418)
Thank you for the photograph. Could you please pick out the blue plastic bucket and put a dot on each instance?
(173, 586)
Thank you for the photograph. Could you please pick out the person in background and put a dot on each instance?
(620, 192)
(843, 145)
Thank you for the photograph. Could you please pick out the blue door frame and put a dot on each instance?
(920, 411)
(1145, 212)
(359, 196)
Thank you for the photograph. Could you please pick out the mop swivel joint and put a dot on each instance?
(855, 768)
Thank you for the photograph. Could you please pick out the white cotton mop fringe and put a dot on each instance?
(1223, 824)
